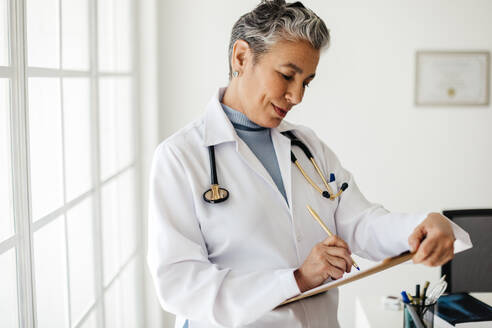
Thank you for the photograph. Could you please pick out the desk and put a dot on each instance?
(376, 316)
(364, 296)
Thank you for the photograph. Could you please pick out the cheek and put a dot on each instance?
(275, 88)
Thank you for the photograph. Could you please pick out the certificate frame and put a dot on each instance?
(452, 78)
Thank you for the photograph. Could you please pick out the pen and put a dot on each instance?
(417, 293)
(426, 285)
(410, 298)
(317, 218)
(405, 297)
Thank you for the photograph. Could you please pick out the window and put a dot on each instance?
(69, 208)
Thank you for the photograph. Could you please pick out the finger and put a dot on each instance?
(443, 253)
(425, 250)
(333, 271)
(450, 252)
(341, 253)
(335, 241)
(449, 257)
(337, 262)
(436, 259)
(416, 238)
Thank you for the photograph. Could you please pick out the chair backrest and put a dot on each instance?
(471, 271)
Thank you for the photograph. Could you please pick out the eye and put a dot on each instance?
(306, 85)
(288, 78)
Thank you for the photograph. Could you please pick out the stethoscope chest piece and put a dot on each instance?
(215, 194)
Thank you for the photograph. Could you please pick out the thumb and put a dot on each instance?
(415, 238)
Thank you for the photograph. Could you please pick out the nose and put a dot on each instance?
(294, 94)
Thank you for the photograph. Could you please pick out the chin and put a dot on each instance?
(273, 123)
(268, 121)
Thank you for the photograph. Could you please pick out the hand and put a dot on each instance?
(432, 241)
(330, 258)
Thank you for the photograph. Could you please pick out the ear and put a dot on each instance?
(241, 55)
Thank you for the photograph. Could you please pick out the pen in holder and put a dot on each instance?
(418, 315)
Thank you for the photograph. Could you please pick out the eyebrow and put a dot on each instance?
(297, 69)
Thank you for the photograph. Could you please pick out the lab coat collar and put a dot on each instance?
(286, 126)
(219, 129)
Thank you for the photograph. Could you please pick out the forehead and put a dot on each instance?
(300, 53)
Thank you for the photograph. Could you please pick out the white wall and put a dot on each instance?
(361, 103)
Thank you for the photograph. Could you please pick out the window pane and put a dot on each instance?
(110, 230)
(119, 223)
(75, 27)
(8, 287)
(127, 215)
(116, 125)
(81, 259)
(76, 114)
(43, 30)
(112, 306)
(115, 31)
(50, 275)
(6, 215)
(91, 321)
(131, 296)
(4, 33)
(45, 145)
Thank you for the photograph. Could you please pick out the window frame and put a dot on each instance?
(18, 74)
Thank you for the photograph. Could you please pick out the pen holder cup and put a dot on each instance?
(418, 316)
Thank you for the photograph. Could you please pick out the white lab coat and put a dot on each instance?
(231, 264)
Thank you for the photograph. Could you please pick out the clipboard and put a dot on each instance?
(385, 264)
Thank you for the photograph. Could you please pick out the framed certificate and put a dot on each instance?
(452, 78)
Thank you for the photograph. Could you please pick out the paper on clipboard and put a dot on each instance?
(353, 276)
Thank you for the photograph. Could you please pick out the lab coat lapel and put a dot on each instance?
(254, 163)
(218, 129)
(282, 149)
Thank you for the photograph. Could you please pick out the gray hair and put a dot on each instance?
(274, 20)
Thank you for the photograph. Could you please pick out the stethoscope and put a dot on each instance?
(217, 194)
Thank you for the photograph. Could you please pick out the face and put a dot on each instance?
(268, 90)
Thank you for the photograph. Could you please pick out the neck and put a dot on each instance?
(231, 98)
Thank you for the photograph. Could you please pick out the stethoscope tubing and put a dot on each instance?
(213, 167)
(217, 194)
(328, 193)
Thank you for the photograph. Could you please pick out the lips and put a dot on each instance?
(281, 112)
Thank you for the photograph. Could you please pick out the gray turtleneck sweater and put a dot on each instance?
(259, 141)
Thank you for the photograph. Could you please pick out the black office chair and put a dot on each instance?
(471, 271)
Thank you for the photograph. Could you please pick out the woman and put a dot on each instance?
(229, 261)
